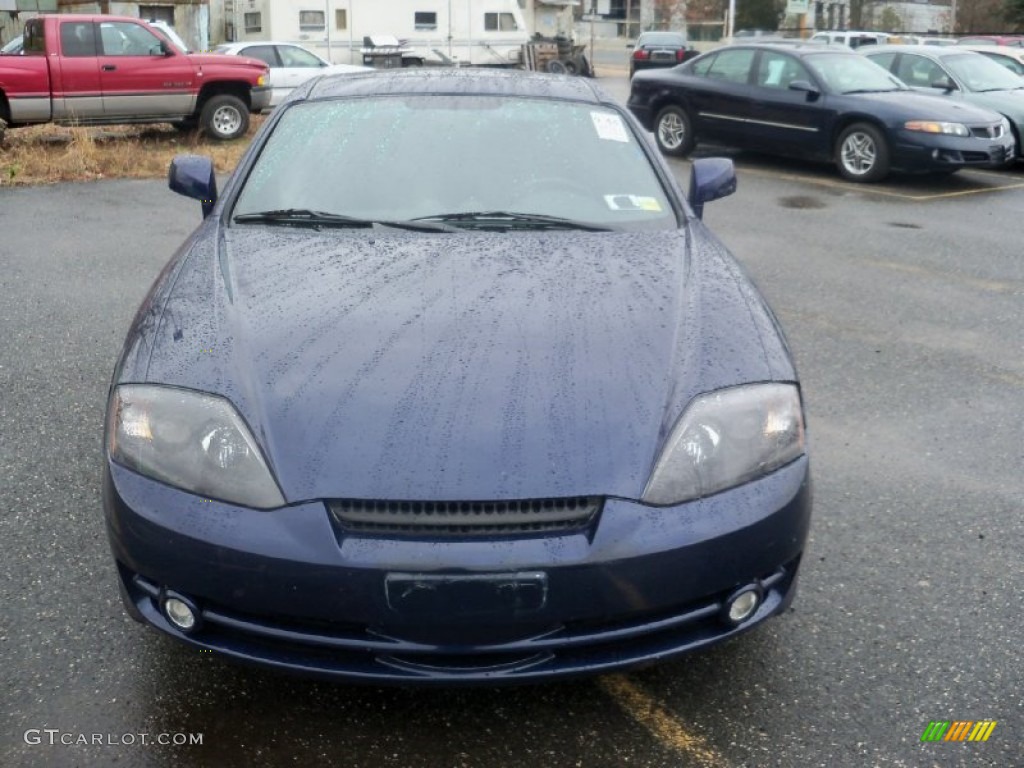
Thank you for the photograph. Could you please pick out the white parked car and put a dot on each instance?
(290, 65)
(1009, 56)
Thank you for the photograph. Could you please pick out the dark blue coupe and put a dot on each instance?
(817, 102)
(452, 385)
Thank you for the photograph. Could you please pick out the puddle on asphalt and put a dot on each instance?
(801, 201)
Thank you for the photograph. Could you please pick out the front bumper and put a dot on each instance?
(915, 151)
(289, 589)
(259, 98)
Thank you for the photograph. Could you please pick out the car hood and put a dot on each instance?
(1009, 103)
(911, 105)
(455, 366)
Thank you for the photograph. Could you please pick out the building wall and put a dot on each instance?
(191, 17)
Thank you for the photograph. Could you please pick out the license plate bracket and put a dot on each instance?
(465, 597)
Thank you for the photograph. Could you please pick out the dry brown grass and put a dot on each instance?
(46, 154)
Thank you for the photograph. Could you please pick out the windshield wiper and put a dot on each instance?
(317, 219)
(512, 220)
(872, 90)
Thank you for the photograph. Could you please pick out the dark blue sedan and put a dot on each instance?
(817, 102)
(452, 385)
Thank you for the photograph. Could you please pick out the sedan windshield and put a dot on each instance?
(468, 162)
(980, 73)
(852, 73)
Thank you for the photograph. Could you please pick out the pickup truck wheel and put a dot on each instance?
(224, 117)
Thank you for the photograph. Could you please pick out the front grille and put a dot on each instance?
(991, 131)
(466, 518)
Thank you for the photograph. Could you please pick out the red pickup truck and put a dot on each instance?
(93, 70)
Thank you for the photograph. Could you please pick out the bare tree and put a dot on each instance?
(977, 16)
(670, 14)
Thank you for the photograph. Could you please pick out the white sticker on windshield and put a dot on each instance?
(609, 126)
(632, 203)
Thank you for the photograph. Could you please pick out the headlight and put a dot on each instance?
(726, 438)
(194, 441)
(932, 126)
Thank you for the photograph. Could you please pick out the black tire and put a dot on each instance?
(582, 65)
(224, 117)
(862, 153)
(673, 131)
(557, 67)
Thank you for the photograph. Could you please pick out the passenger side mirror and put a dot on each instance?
(710, 179)
(193, 176)
(807, 87)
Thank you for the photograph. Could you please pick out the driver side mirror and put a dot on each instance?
(807, 87)
(944, 83)
(711, 178)
(193, 176)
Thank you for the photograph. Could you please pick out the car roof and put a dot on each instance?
(1006, 50)
(449, 81)
(796, 47)
(661, 33)
(932, 51)
(248, 43)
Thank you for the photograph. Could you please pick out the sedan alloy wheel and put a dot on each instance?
(674, 132)
(862, 153)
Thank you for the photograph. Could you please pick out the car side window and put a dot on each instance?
(777, 70)
(883, 60)
(918, 71)
(296, 57)
(732, 66)
(77, 39)
(122, 38)
(1009, 62)
(702, 66)
(264, 53)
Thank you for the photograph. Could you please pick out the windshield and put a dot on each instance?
(403, 158)
(851, 73)
(980, 73)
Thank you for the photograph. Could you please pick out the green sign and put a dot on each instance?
(797, 7)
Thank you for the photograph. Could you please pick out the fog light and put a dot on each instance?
(181, 612)
(742, 605)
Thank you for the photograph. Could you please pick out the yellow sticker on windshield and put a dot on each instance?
(609, 126)
(632, 203)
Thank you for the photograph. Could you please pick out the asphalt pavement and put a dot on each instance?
(904, 307)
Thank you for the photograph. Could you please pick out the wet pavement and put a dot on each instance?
(903, 306)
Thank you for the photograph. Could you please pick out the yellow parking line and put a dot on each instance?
(661, 723)
(878, 191)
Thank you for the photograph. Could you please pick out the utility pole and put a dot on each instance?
(629, 17)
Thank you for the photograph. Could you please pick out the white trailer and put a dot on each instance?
(453, 32)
